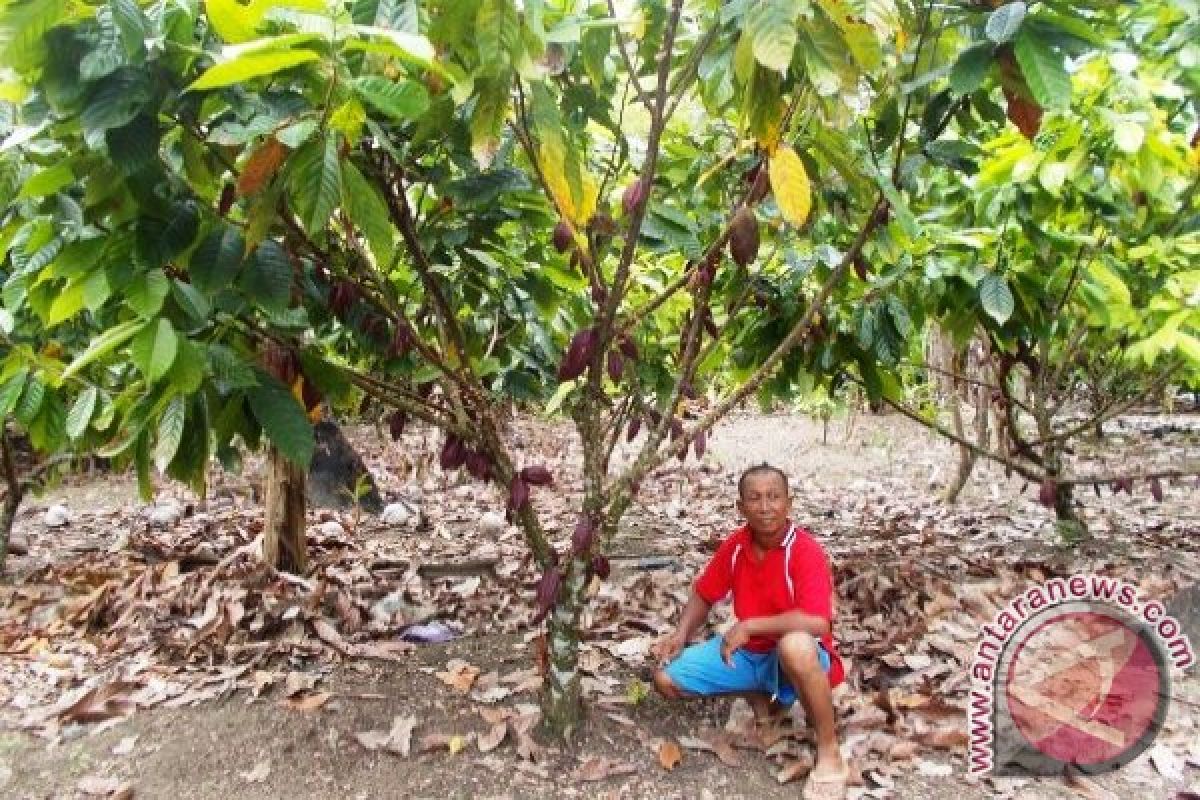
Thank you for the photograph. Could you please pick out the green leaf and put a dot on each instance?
(368, 212)
(316, 182)
(154, 349)
(487, 120)
(10, 392)
(103, 345)
(972, 67)
(230, 369)
(191, 301)
(267, 279)
(996, 298)
(215, 263)
(134, 146)
(401, 101)
(31, 401)
(282, 419)
(187, 373)
(117, 99)
(145, 294)
(771, 25)
(1044, 71)
(67, 304)
(251, 65)
(81, 412)
(48, 181)
(170, 432)
(1004, 22)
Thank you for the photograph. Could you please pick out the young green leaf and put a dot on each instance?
(81, 412)
(153, 350)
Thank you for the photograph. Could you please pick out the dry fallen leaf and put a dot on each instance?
(459, 675)
(260, 772)
(100, 785)
(306, 701)
(492, 739)
(372, 740)
(932, 769)
(297, 682)
(400, 737)
(669, 755)
(796, 769)
(1087, 787)
(598, 768)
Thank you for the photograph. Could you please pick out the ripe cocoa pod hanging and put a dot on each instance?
(563, 235)
(633, 197)
(478, 465)
(518, 494)
(228, 195)
(537, 475)
(454, 453)
(743, 237)
(578, 355)
(584, 535)
(310, 394)
(402, 339)
(601, 567)
(616, 366)
(758, 183)
(547, 593)
(1047, 492)
(396, 422)
(627, 347)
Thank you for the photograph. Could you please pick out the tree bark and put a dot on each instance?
(283, 529)
(562, 695)
(12, 499)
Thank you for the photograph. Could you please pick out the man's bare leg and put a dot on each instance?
(798, 656)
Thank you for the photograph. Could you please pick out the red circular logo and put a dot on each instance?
(1087, 688)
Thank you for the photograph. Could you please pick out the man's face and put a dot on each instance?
(765, 503)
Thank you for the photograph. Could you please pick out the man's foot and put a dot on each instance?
(827, 781)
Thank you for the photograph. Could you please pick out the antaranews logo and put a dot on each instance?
(1075, 672)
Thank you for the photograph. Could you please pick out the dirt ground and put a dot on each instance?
(236, 749)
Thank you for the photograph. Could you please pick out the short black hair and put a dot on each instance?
(762, 469)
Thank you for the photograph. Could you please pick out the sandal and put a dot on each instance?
(826, 787)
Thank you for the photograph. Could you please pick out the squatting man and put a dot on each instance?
(782, 645)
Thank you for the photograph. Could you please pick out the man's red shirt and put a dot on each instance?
(760, 588)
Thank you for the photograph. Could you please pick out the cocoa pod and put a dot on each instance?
(518, 494)
(601, 567)
(860, 267)
(676, 428)
(282, 363)
(1047, 492)
(700, 444)
(599, 295)
(583, 536)
(1156, 490)
(743, 237)
(342, 296)
(628, 348)
(616, 365)
(563, 236)
(310, 395)
(402, 340)
(759, 185)
(578, 355)
(454, 453)
(478, 465)
(228, 195)
(634, 195)
(635, 425)
(537, 475)
(547, 593)
(682, 455)
(396, 422)
(602, 224)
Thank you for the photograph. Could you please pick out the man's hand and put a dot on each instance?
(666, 648)
(734, 639)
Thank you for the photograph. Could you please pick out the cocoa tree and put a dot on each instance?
(229, 213)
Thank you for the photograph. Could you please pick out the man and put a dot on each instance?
(782, 644)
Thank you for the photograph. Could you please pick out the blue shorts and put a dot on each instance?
(700, 670)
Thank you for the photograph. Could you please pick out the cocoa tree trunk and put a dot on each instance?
(12, 499)
(562, 696)
(966, 457)
(283, 529)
